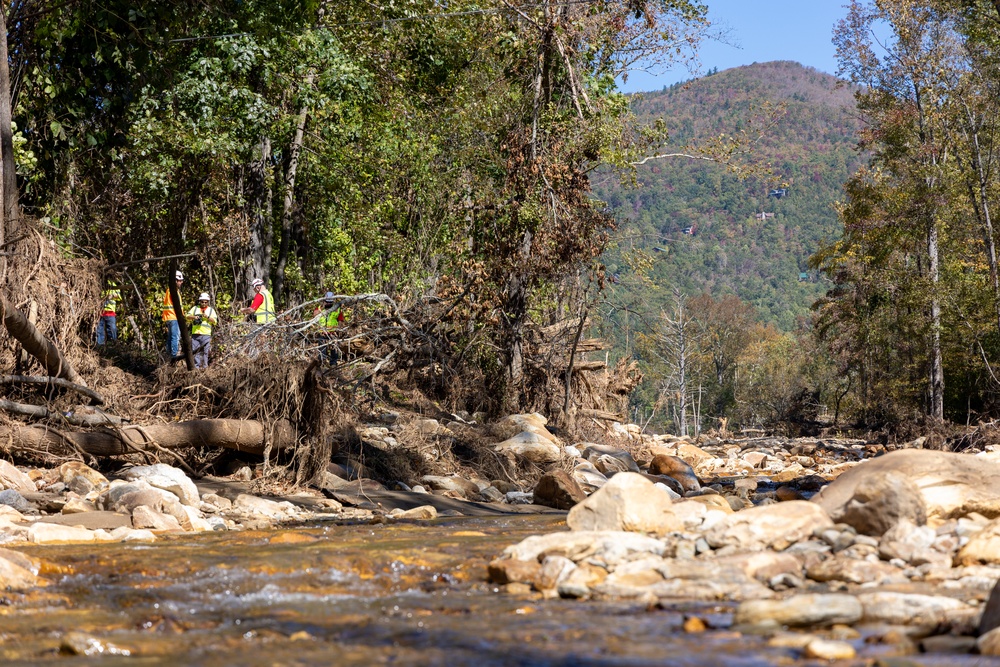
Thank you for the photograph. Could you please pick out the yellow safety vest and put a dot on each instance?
(209, 318)
(265, 313)
(330, 320)
(111, 297)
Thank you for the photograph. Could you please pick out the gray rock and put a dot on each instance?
(12, 498)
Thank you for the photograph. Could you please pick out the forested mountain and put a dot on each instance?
(742, 240)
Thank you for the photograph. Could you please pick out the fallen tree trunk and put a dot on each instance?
(58, 382)
(37, 345)
(242, 435)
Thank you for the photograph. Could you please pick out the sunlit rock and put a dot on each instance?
(73, 470)
(12, 478)
(531, 446)
(51, 533)
(801, 611)
(913, 608)
(676, 468)
(771, 526)
(463, 487)
(627, 502)
(168, 478)
(951, 485)
(607, 545)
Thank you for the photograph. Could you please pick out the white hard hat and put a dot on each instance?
(178, 275)
(203, 297)
(258, 281)
(328, 297)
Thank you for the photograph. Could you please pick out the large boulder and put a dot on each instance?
(557, 489)
(773, 526)
(628, 502)
(882, 500)
(951, 485)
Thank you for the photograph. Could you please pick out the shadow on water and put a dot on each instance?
(336, 594)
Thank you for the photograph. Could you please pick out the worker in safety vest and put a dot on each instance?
(330, 317)
(262, 306)
(203, 319)
(107, 324)
(170, 319)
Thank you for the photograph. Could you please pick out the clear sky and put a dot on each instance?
(798, 30)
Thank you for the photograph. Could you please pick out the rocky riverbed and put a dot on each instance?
(829, 548)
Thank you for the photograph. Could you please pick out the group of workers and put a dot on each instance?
(203, 319)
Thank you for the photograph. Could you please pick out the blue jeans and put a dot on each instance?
(107, 329)
(201, 347)
(173, 338)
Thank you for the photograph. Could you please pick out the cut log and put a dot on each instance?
(242, 435)
(37, 345)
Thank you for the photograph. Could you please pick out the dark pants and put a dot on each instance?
(107, 328)
(201, 346)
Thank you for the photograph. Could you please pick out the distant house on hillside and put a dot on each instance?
(778, 193)
(764, 216)
(689, 230)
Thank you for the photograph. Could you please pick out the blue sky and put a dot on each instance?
(773, 30)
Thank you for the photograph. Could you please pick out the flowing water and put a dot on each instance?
(335, 594)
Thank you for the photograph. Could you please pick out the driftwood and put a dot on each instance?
(97, 418)
(242, 435)
(600, 414)
(58, 382)
(37, 345)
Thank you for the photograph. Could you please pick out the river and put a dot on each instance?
(397, 593)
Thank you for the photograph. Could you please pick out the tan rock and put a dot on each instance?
(512, 570)
(983, 547)
(17, 571)
(692, 453)
(824, 649)
(628, 502)
(51, 533)
(801, 611)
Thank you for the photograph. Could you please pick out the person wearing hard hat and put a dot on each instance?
(170, 318)
(262, 306)
(107, 324)
(203, 319)
(330, 317)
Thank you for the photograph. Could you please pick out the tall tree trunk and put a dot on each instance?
(517, 312)
(286, 212)
(175, 298)
(936, 366)
(10, 205)
(256, 260)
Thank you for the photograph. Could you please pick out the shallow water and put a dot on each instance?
(393, 593)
